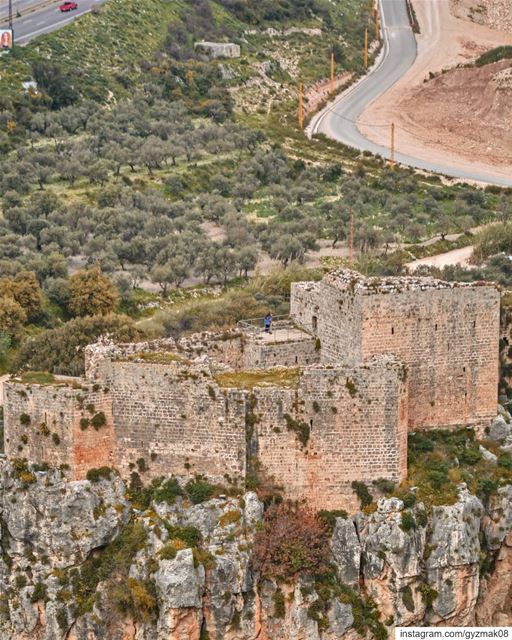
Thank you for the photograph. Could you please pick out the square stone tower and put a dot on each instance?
(447, 335)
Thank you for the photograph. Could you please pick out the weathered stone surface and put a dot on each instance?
(488, 455)
(453, 563)
(499, 428)
(346, 550)
(220, 593)
(393, 561)
(58, 519)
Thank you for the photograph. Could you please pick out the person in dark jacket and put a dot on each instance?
(268, 322)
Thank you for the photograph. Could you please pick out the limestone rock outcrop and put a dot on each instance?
(84, 560)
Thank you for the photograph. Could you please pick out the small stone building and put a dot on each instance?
(325, 399)
(218, 49)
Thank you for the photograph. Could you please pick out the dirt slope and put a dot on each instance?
(461, 115)
(494, 13)
(469, 111)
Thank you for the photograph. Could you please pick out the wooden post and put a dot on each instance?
(332, 72)
(301, 115)
(377, 25)
(351, 239)
(366, 48)
(392, 155)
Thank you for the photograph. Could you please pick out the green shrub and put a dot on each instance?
(329, 517)
(110, 565)
(96, 475)
(494, 55)
(168, 491)
(279, 604)
(56, 438)
(199, 490)
(98, 420)
(84, 423)
(363, 493)
(505, 461)
(407, 521)
(470, 456)
(407, 599)
(428, 594)
(141, 465)
(168, 551)
(25, 419)
(302, 429)
(189, 535)
(384, 485)
(21, 581)
(39, 593)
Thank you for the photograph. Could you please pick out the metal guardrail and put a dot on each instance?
(281, 329)
(258, 324)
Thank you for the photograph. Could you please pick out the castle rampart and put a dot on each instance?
(338, 425)
(446, 333)
(323, 400)
(174, 417)
(60, 424)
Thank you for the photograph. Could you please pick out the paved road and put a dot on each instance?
(33, 24)
(399, 53)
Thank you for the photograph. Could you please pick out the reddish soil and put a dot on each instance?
(319, 92)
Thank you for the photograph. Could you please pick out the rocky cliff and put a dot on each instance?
(86, 560)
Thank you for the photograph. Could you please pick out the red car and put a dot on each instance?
(68, 6)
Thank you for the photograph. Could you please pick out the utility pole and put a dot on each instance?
(332, 72)
(351, 239)
(10, 14)
(366, 48)
(392, 147)
(301, 115)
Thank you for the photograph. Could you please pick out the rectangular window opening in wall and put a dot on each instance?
(392, 331)
(314, 323)
(435, 327)
(474, 324)
(464, 369)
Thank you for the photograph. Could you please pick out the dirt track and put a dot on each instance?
(444, 42)
(456, 256)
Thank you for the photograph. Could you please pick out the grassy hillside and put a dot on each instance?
(107, 50)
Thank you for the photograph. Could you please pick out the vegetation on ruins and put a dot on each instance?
(440, 460)
(246, 379)
(292, 541)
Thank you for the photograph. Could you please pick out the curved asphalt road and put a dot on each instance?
(399, 53)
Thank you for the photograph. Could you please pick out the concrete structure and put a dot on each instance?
(218, 49)
(315, 405)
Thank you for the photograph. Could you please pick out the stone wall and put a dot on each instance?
(176, 419)
(52, 423)
(446, 334)
(449, 340)
(333, 316)
(291, 353)
(357, 422)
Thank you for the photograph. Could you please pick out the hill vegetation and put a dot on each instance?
(140, 164)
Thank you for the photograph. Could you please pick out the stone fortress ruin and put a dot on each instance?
(325, 399)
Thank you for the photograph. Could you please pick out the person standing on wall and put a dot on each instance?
(268, 322)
